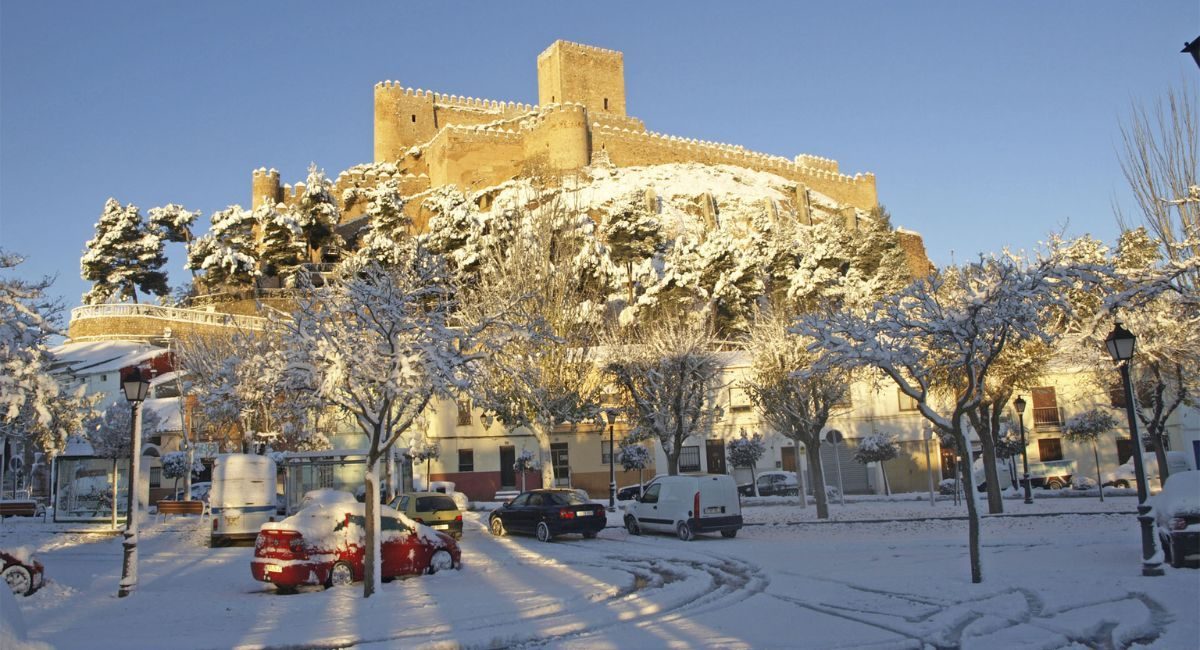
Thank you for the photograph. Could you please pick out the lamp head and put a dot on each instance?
(135, 386)
(1120, 343)
(610, 415)
(1019, 404)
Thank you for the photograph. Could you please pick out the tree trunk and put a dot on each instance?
(887, 490)
(541, 433)
(372, 562)
(673, 461)
(964, 470)
(1160, 454)
(754, 481)
(995, 499)
(1099, 481)
(114, 494)
(813, 454)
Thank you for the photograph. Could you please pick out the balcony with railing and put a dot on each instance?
(1048, 418)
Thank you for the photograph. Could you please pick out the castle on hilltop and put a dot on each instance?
(426, 140)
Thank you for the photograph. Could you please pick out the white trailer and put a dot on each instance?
(242, 497)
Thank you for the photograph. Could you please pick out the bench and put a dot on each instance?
(18, 508)
(195, 507)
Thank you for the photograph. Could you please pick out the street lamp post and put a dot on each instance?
(1121, 344)
(611, 415)
(1019, 403)
(136, 387)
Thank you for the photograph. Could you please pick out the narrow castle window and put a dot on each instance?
(606, 103)
(551, 99)
(414, 119)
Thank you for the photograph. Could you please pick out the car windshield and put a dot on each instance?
(434, 504)
(567, 499)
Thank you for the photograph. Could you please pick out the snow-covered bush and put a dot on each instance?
(744, 451)
(1087, 427)
(877, 448)
(175, 466)
(526, 461)
(1083, 483)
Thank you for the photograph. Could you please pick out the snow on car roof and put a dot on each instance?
(323, 510)
(1180, 494)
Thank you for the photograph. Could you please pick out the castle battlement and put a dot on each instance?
(581, 47)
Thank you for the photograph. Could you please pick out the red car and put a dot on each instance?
(23, 574)
(325, 543)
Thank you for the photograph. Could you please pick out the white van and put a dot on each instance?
(242, 497)
(687, 505)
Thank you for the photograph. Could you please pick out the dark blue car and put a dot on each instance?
(547, 513)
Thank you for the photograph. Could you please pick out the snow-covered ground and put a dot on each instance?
(1058, 580)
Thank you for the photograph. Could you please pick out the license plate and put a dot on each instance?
(712, 510)
(271, 568)
(584, 513)
(440, 526)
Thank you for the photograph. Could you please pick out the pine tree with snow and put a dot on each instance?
(228, 253)
(125, 255)
(744, 451)
(283, 246)
(632, 235)
(877, 448)
(1087, 427)
(317, 212)
(390, 227)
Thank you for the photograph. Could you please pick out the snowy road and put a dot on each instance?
(1049, 582)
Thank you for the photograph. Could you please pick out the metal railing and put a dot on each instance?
(1048, 417)
(172, 314)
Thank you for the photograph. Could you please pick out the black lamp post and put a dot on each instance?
(1019, 403)
(1121, 344)
(611, 415)
(135, 387)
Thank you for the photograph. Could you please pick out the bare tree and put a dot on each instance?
(669, 373)
(950, 325)
(541, 370)
(1160, 159)
(795, 403)
(377, 343)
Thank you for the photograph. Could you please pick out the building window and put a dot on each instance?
(604, 455)
(689, 459)
(1046, 414)
(103, 377)
(464, 412)
(906, 403)
(606, 103)
(466, 460)
(414, 119)
(1050, 449)
(155, 477)
(561, 463)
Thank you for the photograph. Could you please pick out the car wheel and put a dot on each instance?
(1054, 484)
(729, 533)
(1123, 484)
(19, 580)
(543, 532)
(631, 525)
(341, 574)
(590, 534)
(1175, 558)
(497, 527)
(441, 560)
(684, 531)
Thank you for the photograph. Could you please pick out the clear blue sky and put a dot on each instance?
(986, 125)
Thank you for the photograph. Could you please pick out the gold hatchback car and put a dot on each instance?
(434, 509)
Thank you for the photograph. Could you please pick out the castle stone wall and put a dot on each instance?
(558, 138)
(474, 157)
